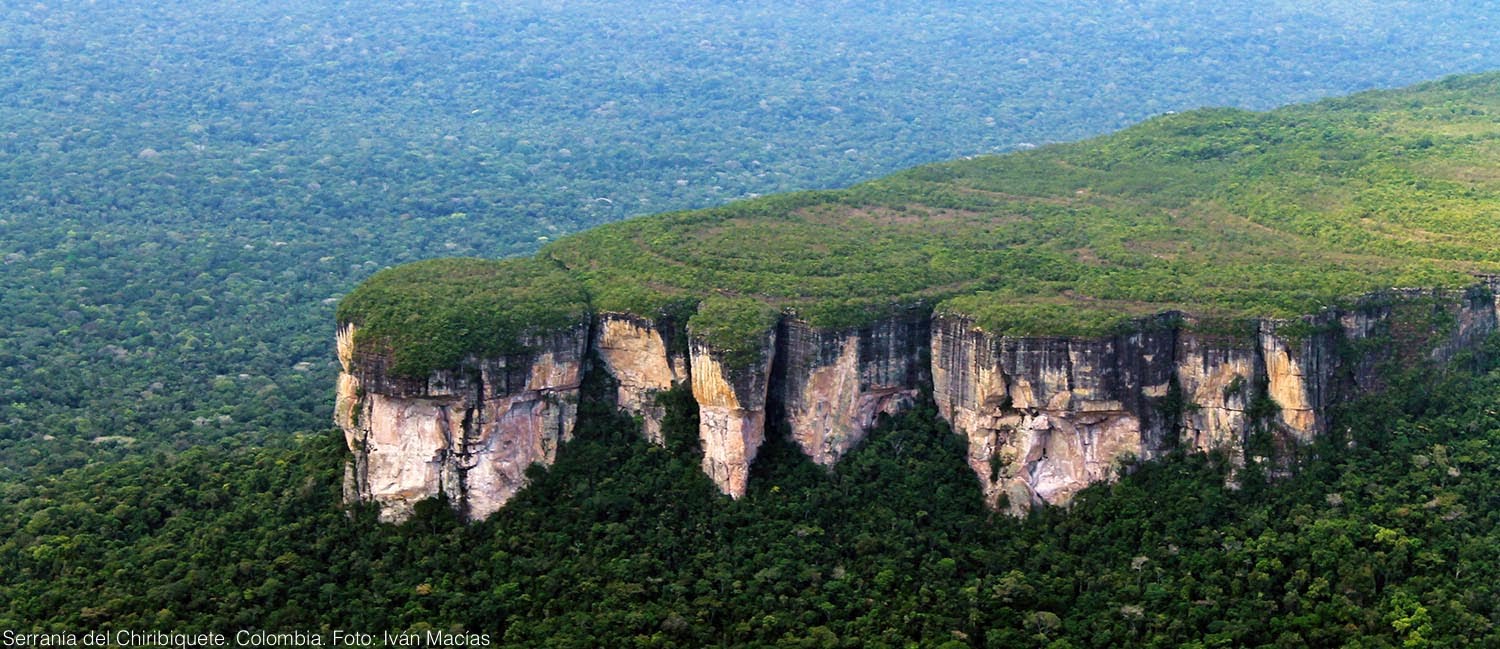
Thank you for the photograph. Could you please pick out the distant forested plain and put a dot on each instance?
(187, 187)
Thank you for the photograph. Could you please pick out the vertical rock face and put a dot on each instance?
(1491, 283)
(531, 407)
(1229, 383)
(973, 395)
(1470, 318)
(832, 385)
(1407, 326)
(1215, 375)
(1045, 417)
(468, 433)
(1299, 373)
(638, 354)
(731, 412)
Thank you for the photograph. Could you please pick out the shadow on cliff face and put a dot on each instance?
(911, 468)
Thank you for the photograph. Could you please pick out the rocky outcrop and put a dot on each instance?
(637, 352)
(1215, 375)
(1491, 285)
(1455, 321)
(1300, 374)
(731, 412)
(832, 385)
(468, 433)
(1044, 416)
(1407, 326)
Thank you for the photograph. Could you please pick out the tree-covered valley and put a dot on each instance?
(189, 189)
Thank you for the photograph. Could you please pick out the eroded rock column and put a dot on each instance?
(1290, 379)
(731, 412)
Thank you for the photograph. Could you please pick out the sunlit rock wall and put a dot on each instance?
(1045, 417)
(731, 412)
(468, 433)
(637, 352)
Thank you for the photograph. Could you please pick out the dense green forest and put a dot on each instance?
(1385, 537)
(1221, 214)
(187, 190)
(189, 186)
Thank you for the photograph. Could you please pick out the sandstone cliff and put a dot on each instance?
(731, 412)
(638, 353)
(831, 385)
(1047, 417)
(468, 433)
(1044, 416)
(785, 313)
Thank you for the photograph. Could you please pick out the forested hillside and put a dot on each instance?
(188, 187)
(1385, 538)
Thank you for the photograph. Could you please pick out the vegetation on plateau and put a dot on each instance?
(189, 187)
(439, 310)
(1222, 214)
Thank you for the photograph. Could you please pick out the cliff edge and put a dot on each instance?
(1213, 281)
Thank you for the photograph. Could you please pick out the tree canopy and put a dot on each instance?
(1384, 537)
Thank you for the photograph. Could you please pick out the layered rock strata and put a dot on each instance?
(1044, 416)
(468, 433)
